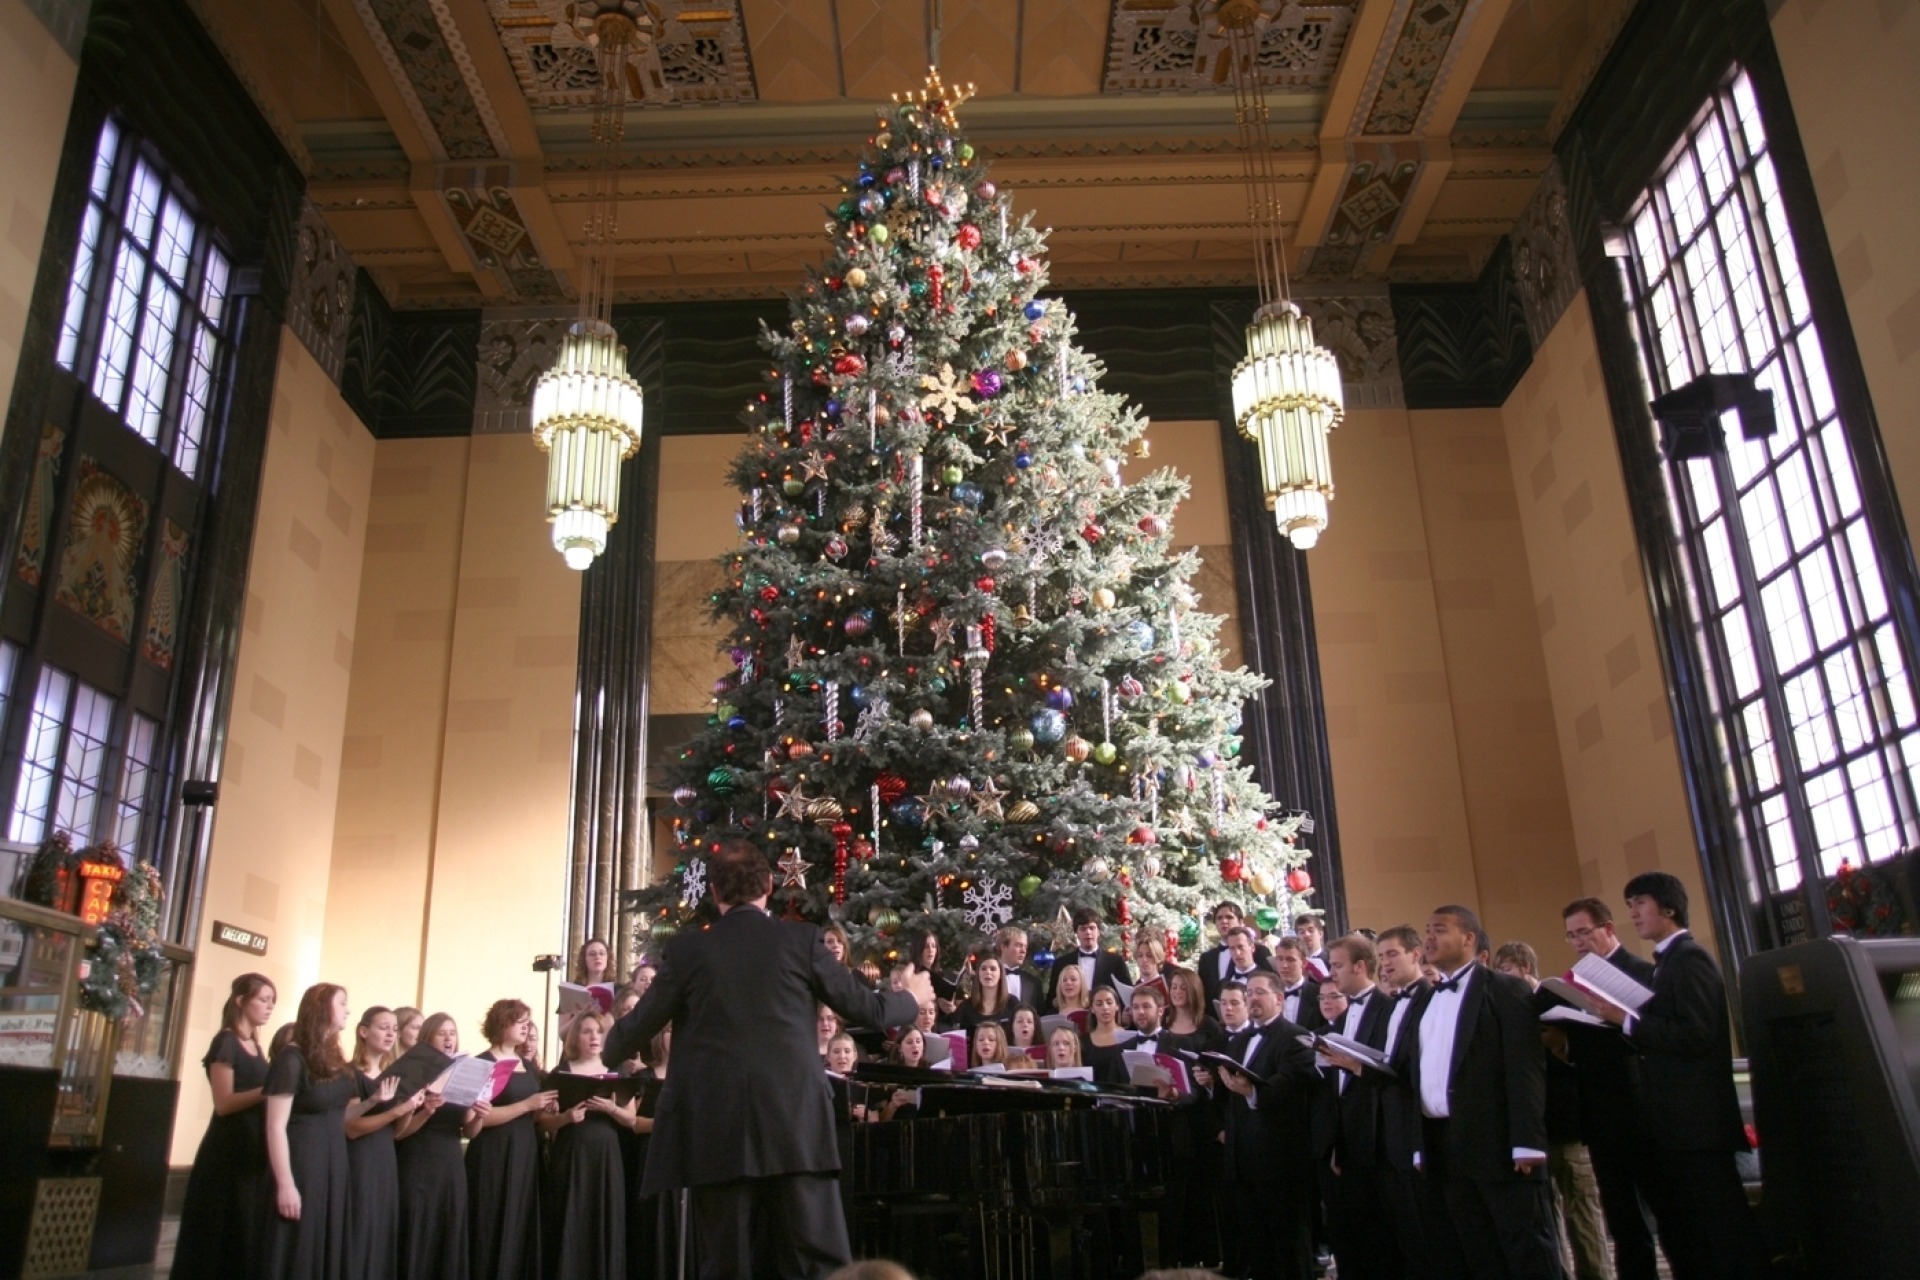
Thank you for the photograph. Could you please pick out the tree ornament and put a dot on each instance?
(857, 277)
(1028, 885)
(921, 719)
(994, 559)
(988, 383)
(1077, 749)
(1060, 698)
(1150, 866)
(685, 796)
(884, 919)
(968, 237)
(1103, 598)
(1298, 881)
(1261, 881)
(825, 811)
(788, 534)
(1105, 753)
(989, 904)
(1020, 739)
(959, 786)
(1232, 869)
(1016, 360)
(1023, 811)
(1049, 726)
(857, 624)
(1097, 870)
(722, 781)
(856, 325)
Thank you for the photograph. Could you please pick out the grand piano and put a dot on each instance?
(1061, 1180)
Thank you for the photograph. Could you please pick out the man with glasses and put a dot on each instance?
(1610, 1121)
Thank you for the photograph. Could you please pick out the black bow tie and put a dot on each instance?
(1357, 1001)
(1088, 955)
(1296, 989)
(1453, 983)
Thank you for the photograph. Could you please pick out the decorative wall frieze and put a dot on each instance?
(484, 207)
(1170, 49)
(320, 297)
(1368, 208)
(1358, 328)
(414, 47)
(515, 349)
(698, 56)
(1545, 268)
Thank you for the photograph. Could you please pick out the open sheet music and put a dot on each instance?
(1612, 983)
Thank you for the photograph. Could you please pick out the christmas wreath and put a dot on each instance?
(1861, 901)
(50, 877)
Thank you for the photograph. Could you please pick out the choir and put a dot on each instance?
(1409, 1101)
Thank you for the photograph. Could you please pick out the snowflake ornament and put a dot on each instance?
(946, 394)
(693, 883)
(989, 904)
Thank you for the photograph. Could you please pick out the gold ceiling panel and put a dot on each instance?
(699, 54)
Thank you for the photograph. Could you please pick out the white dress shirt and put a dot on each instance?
(1013, 982)
(1086, 969)
(1401, 1003)
(1290, 1005)
(1350, 1022)
(1659, 949)
(1438, 1027)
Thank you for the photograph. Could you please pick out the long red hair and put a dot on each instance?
(314, 1034)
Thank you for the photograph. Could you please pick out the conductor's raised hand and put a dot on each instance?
(919, 984)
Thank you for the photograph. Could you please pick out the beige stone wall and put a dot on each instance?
(280, 780)
(1610, 713)
(1405, 844)
(450, 844)
(1518, 822)
(1851, 71)
(36, 91)
(694, 527)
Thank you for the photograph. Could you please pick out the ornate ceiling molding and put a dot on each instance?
(417, 51)
(1163, 48)
(700, 55)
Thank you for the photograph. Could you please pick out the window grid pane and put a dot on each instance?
(83, 764)
(1805, 665)
(136, 771)
(41, 760)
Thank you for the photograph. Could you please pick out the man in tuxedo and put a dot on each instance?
(1300, 995)
(1267, 1157)
(1479, 1075)
(1692, 1111)
(1024, 985)
(1606, 1068)
(1216, 964)
(746, 1118)
(1347, 1139)
(1099, 968)
(1311, 928)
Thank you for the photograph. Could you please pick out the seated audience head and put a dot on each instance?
(1086, 928)
(1657, 905)
(507, 1025)
(1290, 961)
(1310, 927)
(1010, 944)
(1023, 1026)
(1399, 951)
(738, 874)
(593, 962)
(1063, 1048)
(1333, 1002)
(1452, 939)
(587, 1036)
(1590, 929)
(249, 1007)
(838, 945)
(1233, 1004)
(1145, 1009)
(441, 1032)
(990, 1043)
(910, 1050)
(1352, 964)
(1519, 960)
(842, 1054)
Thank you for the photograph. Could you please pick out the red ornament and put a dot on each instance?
(936, 286)
(1173, 944)
(984, 583)
(1298, 881)
(1126, 910)
(863, 848)
(1232, 869)
(968, 236)
(820, 376)
(1142, 835)
(850, 364)
(892, 787)
(987, 632)
(1092, 533)
(769, 593)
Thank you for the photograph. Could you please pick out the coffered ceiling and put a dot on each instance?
(447, 141)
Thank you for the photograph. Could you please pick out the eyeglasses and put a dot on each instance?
(1580, 935)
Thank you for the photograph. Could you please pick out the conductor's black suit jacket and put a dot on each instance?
(746, 1097)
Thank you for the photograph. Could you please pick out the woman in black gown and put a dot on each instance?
(218, 1218)
(503, 1158)
(433, 1180)
(311, 1093)
(586, 1202)
(1106, 1040)
(373, 1176)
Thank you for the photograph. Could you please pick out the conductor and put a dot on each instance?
(745, 1118)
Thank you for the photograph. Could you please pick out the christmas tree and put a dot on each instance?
(971, 683)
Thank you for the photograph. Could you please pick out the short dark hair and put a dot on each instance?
(1086, 916)
(1291, 943)
(1466, 919)
(1316, 918)
(1268, 976)
(1155, 994)
(1252, 935)
(1596, 910)
(1232, 984)
(1359, 950)
(1518, 953)
(1666, 891)
(737, 872)
(1218, 907)
(1405, 934)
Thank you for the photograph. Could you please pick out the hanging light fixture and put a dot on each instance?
(587, 408)
(1286, 392)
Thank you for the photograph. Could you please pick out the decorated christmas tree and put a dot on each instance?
(971, 684)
